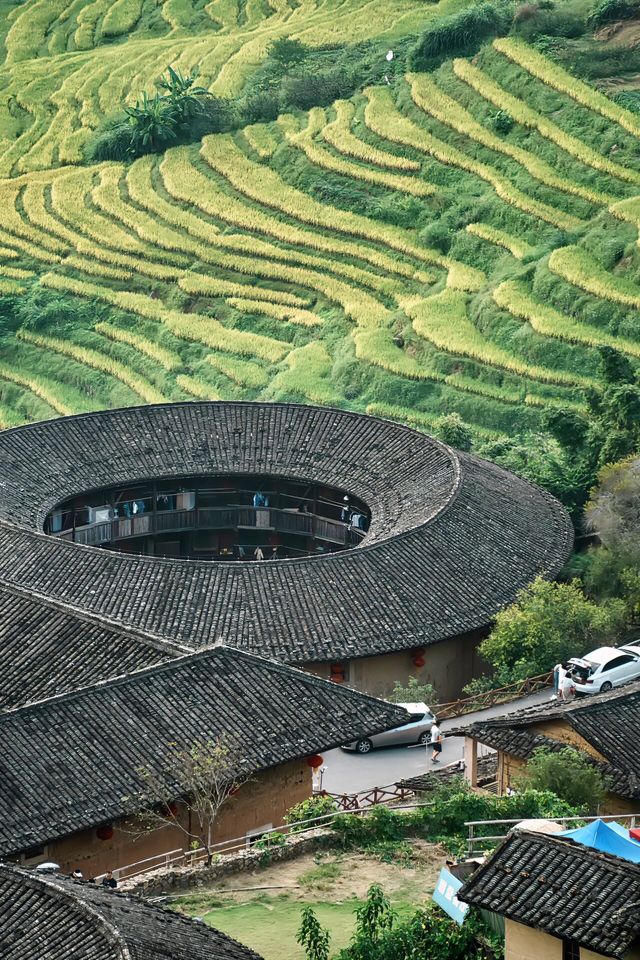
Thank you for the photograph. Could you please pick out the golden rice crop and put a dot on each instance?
(10, 286)
(430, 98)
(383, 118)
(166, 358)
(578, 267)
(524, 114)
(97, 360)
(142, 191)
(13, 221)
(184, 182)
(261, 139)
(68, 200)
(15, 273)
(416, 418)
(6, 253)
(197, 388)
(265, 186)
(554, 76)
(277, 311)
(363, 308)
(246, 373)
(377, 346)
(198, 283)
(323, 158)
(514, 297)
(308, 374)
(36, 386)
(187, 326)
(338, 134)
(516, 247)
(443, 321)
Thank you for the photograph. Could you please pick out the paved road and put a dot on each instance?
(351, 773)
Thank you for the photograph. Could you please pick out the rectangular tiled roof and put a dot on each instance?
(564, 888)
(46, 918)
(47, 648)
(74, 761)
(610, 722)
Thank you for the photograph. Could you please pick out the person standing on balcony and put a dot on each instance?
(258, 554)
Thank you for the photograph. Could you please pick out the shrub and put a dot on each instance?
(451, 429)
(566, 773)
(460, 33)
(606, 11)
(550, 23)
(316, 806)
(414, 692)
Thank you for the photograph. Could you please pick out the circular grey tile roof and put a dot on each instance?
(452, 537)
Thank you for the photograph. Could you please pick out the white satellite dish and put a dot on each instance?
(390, 56)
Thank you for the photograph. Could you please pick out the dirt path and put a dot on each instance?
(336, 877)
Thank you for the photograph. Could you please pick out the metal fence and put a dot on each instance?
(475, 838)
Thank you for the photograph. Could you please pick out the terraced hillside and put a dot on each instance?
(447, 242)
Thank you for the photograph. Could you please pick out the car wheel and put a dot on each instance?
(364, 746)
(606, 686)
(424, 739)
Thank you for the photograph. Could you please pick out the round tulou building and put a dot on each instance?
(352, 546)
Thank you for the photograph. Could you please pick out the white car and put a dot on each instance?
(605, 668)
(417, 729)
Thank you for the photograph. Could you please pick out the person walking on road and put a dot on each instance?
(436, 741)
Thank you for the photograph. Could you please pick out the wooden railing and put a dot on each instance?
(480, 701)
(268, 519)
(367, 798)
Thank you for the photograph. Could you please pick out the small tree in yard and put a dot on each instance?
(312, 937)
(414, 692)
(203, 775)
(566, 773)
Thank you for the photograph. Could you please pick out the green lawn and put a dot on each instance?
(270, 926)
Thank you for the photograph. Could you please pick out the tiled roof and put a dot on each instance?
(55, 918)
(452, 538)
(47, 648)
(564, 888)
(610, 722)
(74, 761)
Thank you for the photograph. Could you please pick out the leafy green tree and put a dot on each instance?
(542, 460)
(452, 429)
(568, 774)
(311, 936)
(548, 623)
(287, 53)
(413, 692)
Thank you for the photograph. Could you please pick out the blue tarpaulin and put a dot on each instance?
(607, 837)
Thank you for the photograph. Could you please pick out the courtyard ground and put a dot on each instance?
(263, 909)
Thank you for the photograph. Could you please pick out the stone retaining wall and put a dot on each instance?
(189, 878)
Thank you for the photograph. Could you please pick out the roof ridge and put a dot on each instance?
(77, 904)
(158, 641)
(216, 650)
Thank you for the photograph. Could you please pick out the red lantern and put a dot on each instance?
(105, 832)
(417, 657)
(337, 668)
(172, 809)
(419, 661)
(315, 761)
(337, 673)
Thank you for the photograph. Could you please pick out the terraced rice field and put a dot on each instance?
(396, 252)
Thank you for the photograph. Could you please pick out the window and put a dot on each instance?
(618, 662)
(570, 950)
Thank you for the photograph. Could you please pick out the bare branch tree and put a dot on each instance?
(202, 776)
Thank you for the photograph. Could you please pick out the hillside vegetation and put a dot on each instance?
(461, 240)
